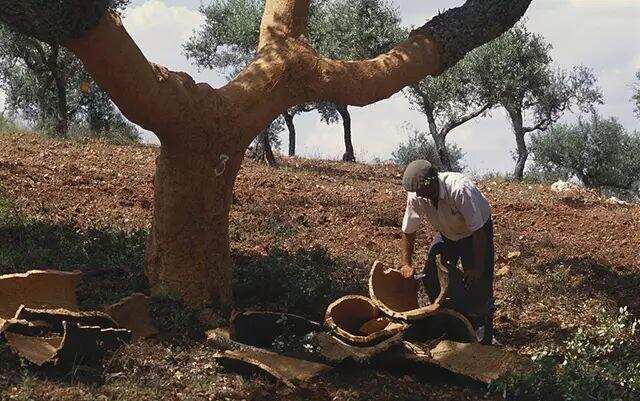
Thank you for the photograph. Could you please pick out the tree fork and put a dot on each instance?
(203, 131)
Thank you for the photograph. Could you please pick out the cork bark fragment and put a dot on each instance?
(37, 289)
(132, 313)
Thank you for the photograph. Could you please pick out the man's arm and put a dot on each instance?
(408, 243)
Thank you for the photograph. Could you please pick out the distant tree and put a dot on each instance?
(450, 100)
(599, 152)
(48, 86)
(262, 147)
(338, 28)
(636, 95)
(517, 69)
(421, 146)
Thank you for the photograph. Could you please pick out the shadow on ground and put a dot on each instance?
(303, 282)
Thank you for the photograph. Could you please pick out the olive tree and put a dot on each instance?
(204, 131)
(448, 101)
(517, 69)
(598, 151)
(46, 85)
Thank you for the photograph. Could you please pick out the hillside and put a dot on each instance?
(302, 234)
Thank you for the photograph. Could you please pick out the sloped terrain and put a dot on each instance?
(302, 235)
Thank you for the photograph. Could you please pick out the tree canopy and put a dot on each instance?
(450, 100)
(598, 151)
(517, 70)
(47, 86)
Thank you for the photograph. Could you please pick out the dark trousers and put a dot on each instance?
(474, 301)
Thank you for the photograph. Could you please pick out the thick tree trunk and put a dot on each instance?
(62, 125)
(188, 249)
(203, 131)
(288, 119)
(266, 149)
(348, 155)
(515, 114)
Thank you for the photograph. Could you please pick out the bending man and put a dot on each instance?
(461, 215)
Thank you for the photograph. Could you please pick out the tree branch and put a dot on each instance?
(147, 94)
(430, 50)
(458, 122)
(283, 18)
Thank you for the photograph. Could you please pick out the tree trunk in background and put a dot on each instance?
(266, 149)
(288, 119)
(62, 125)
(443, 152)
(438, 139)
(515, 114)
(348, 155)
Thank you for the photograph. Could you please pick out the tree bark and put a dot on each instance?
(288, 119)
(267, 150)
(348, 155)
(62, 126)
(188, 250)
(204, 131)
(439, 139)
(515, 114)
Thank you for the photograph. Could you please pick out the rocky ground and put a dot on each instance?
(302, 235)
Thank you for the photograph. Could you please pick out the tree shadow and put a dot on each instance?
(112, 260)
(601, 281)
(304, 282)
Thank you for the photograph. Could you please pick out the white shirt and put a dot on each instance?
(462, 209)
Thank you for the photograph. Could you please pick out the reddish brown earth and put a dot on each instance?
(570, 254)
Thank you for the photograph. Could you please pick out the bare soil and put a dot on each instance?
(559, 258)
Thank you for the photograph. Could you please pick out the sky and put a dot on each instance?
(603, 35)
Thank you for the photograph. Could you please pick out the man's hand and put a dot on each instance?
(407, 271)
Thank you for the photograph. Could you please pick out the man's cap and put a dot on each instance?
(417, 174)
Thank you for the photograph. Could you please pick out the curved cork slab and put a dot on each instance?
(38, 289)
(356, 319)
(397, 296)
(290, 371)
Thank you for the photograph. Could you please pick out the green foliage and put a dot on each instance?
(516, 69)
(421, 146)
(6, 125)
(599, 152)
(599, 362)
(44, 86)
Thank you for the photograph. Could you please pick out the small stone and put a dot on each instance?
(514, 254)
(502, 271)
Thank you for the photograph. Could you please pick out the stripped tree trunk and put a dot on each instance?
(204, 132)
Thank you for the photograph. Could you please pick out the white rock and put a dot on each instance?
(563, 186)
(615, 201)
